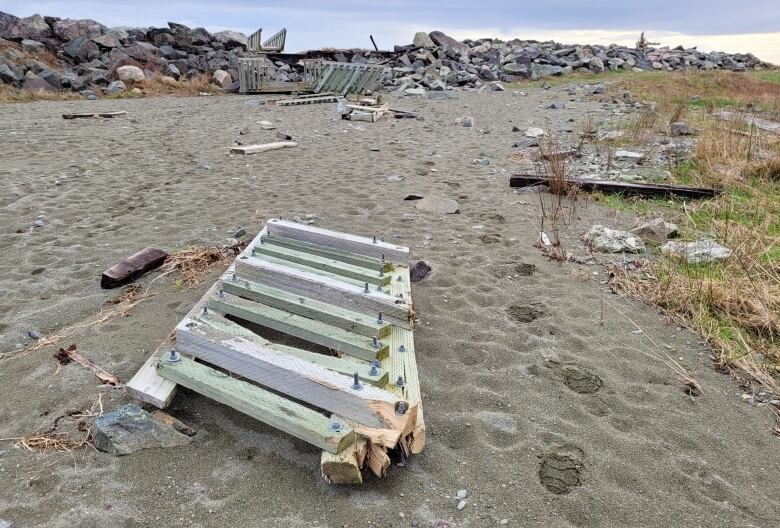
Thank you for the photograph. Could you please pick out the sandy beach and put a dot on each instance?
(546, 397)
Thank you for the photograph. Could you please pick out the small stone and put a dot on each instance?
(534, 132)
(6, 524)
(419, 271)
(461, 494)
(34, 334)
(461, 505)
(503, 521)
(556, 106)
(239, 232)
(608, 240)
(222, 78)
(130, 73)
(39, 223)
(415, 91)
(628, 155)
(681, 129)
(130, 429)
(466, 121)
(697, 252)
(656, 232)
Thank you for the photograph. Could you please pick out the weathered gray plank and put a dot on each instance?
(328, 252)
(281, 413)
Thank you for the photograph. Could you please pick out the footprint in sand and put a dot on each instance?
(490, 238)
(525, 313)
(525, 270)
(580, 380)
(561, 470)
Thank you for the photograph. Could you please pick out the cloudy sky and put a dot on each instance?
(726, 25)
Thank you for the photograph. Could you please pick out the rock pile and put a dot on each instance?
(49, 53)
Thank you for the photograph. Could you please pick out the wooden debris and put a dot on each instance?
(315, 99)
(65, 355)
(94, 114)
(165, 418)
(133, 267)
(752, 120)
(255, 149)
(610, 187)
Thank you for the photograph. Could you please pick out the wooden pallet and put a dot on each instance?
(308, 100)
(345, 293)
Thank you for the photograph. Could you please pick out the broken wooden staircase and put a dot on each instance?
(346, 294)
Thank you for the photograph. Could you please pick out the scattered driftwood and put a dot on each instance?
(254, 149)
(132, 267)
(66, 355)
(762, 124)
(634, 189)
(94, 114)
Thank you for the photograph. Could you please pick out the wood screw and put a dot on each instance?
(356, 385)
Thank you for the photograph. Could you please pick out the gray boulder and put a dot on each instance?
(199, 36)
(7, 75)
(606, 240)
(52, 77)
(33, 83)
(131, 429)
(698, 252)
(656, 232)
(72, 81)
(231, 39)
(15, 28)
(440, 39)
(32, 46)
(109, 40)
(96, 76)
(69, 29)
(172, 71)
(422, 40)
(142, 51)
(682, 129)
(116, 87)
(81, 49)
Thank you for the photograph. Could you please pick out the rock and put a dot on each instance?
(6, 524)
(556, 106)
(231, 39)
(96, 76)
(628, 155)
(437, 85)
(419, 271)
(461, 494)
(222, 78)
(172, 71)
(466, 121)
(656, 232)
(461, 505)
(438, 204)
(68, 29)
(81, 49)
(440, 39)
(681, 129)
(534, 132)
(422, 40)
(131, 429)
(52, 77)
(608, 240)
(130, 74)
(698, 252)
(143, 52)
(109, 41)
(418, 90)
(7, 75)
(34, 83)
(199, 37)
(14, 28)
(116, 87)
(32, 46)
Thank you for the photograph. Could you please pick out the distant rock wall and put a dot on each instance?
(48, 53)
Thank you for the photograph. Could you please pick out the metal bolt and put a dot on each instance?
(383, 258)
(253, 251)
(335, 426)
(380, 320)
(262, 240)
(221, 294)
(374, 342)
(399, 382)
(382, 272)
(399, 279)
(173, 356)
(373, 371)
(366, 289)
(356, 385)
(205, 311)
(235, 277)
(400, 408)
(402, 348)
(378, 287)
(374, 239)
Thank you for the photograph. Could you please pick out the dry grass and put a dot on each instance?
(734, 304)
(192, 265)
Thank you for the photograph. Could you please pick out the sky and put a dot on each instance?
(712, 25)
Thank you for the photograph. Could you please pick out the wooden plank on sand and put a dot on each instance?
(371, 263)
(608, 186)
(134, 266)
(281, 413)
(83, 115)
(254, 149)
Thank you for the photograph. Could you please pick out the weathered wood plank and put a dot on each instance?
(254, 149)
(762, 124)
(147, 386)
(338, 339)
(83, 115)
(295, 377)
(377, 376)
(302, 267)
(608, 186)
(341, 241)
(335, 292)
(281, 413)
(371, 263)
(323, 263)
(133, 266)
(307, 307)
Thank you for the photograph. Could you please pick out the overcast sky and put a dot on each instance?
(727, 25)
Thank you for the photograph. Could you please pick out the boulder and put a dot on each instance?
(422, 40)
(34, 83)
(130, 74)
(172, 71)
(116, 87)
(14, 28)
(130, 429)
(440, 39)
(143, 51)
(81, 49)
(656, 232)
(231, 39)
(604, 239)
(52, 77)
(698, 252)
(682, 129)
(199, 37)
(96, 76)
(7, 75)
(33, 46)
(70, 29)
(109, 40)
(438, 204)
(420, 269)
(222, 78)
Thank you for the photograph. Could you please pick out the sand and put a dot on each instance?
(543, 398)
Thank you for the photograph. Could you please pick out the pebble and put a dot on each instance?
(39, 223)
(461, 505)
(462, 494)
(503, 521)
(35, 335)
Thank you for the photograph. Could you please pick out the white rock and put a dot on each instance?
(130, 74)
(222, 78)
(415, 91)
(656, 232)
(608, 240)
(628, 155)
(461, 505)
(461, 494)
(116, 87)
(534, 132)
(696, 252)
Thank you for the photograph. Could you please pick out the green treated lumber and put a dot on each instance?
(323, 263)
(310, 308)
(335, 338)
(328, 252)
(301, 267)
(343, 365)
(281, 413)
